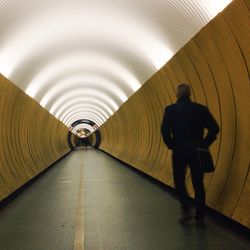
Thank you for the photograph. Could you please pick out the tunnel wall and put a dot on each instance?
(216, 62)
(31, 139)
(95, 139)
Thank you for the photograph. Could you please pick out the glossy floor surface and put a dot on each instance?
(89, 200)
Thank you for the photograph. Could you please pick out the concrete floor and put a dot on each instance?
(122, 210)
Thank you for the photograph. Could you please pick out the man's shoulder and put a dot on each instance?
(170, 107)
(199, 110)
(199, 106)
(195, 105)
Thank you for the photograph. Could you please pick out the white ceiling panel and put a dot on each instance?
(83, 59)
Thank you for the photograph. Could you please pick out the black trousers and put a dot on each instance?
(181, 159)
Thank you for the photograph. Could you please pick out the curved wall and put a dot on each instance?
(95, 139)
(31, 139)
(217, 64)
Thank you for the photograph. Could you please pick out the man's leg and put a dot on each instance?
(179, 172)
(197, 181)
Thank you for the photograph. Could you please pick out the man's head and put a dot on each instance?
(183, 89)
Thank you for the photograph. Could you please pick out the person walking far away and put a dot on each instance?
(183, 128)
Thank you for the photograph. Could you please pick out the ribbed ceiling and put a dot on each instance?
(83, 59)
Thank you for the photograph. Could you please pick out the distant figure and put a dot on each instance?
(183, 132)
(86, 142)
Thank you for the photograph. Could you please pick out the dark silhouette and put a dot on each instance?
(183, 132)
(83, 141)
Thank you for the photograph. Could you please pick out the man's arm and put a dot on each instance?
(213, 129)
(166, 129)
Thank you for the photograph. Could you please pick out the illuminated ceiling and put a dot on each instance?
(83, 59)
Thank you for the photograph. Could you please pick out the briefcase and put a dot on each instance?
(205, 160)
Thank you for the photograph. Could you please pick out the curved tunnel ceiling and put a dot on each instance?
(83, 59)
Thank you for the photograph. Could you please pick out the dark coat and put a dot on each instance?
(184, 124)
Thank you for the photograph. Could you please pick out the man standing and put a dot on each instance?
(183, 132)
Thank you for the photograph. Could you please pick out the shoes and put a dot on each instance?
(200, 223)
(185, 217)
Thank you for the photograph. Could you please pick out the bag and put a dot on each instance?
(205, 160)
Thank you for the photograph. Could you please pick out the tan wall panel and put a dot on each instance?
(31, 139)
(216, 63)
(238, 75)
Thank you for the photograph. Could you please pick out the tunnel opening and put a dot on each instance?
(84, 133)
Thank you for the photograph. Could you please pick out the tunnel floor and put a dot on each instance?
(90, 200)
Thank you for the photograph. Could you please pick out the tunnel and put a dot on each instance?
(83, 89)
